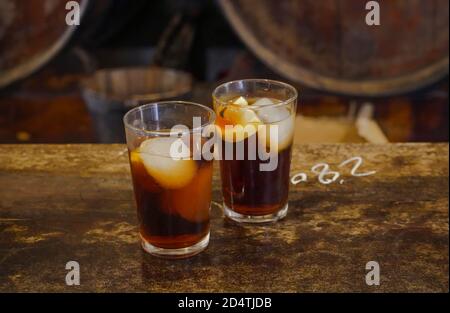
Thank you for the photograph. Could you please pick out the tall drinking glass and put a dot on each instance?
(171, 180)
(256, 120)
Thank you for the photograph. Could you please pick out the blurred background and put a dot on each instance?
(357, 83)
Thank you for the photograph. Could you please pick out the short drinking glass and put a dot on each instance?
(255, 119)
(172, 183)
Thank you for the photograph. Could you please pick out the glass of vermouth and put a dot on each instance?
(172, 187)
(255, 121)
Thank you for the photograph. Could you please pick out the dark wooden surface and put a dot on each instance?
(74, 202)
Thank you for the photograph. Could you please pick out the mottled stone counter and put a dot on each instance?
(74, 202)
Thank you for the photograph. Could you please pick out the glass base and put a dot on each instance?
(175, 253)
(269, 218)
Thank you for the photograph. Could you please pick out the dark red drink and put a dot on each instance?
(250, 193)
(172, 217)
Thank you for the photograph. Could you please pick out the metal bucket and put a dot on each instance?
(109, 93)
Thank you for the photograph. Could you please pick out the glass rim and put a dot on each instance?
(270, 81)
(210, 121)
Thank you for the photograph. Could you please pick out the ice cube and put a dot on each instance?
(193, 202)
(263, 102)
(245, 122)
(247, 116)
(285, 133)
(240, 101)
(169, 170)
(273, 114)
(242, 116)
(141, 175)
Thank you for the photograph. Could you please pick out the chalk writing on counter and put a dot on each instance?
(326, 175)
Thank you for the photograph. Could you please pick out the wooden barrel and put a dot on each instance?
(31, 33)
(327, 44)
